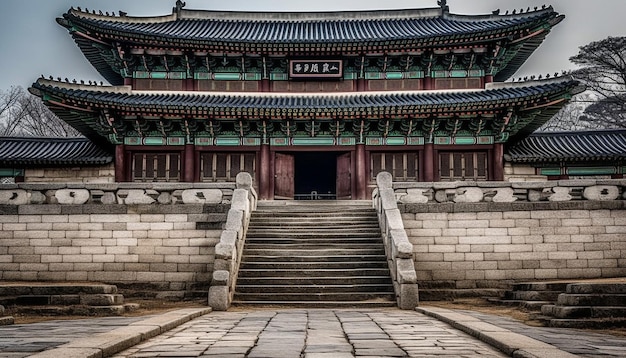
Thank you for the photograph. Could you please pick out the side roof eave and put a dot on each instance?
(575, 146)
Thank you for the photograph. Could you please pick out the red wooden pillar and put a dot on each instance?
(265, 180)
(361, 173)
(360, 85)
(488, 79)
(498, 162)
(266, 85)
(120, 163)
(190, 164)
(429, 84)
(429, 162)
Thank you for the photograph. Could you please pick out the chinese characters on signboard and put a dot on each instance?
(316, 68)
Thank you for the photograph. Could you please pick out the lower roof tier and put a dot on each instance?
(503, 111)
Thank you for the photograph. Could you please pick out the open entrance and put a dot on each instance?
(313, 176)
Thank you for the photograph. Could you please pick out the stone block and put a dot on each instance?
(244, 181)
(384, 180)
(240, 201)
(468, 195)
(72, 196)
(14, 197)
(415, 196)
(136, 196)
(101, 300)
(408, 297)
(202, 196)
(234, 221)
(388, 199)
(219, 298)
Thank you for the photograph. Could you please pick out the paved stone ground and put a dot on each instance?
(313, 333)
(580, 342)
(307, 333)
(23, 340)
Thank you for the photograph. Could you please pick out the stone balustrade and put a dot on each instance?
(230, 247)
(116, 193)
(510, 192)
(397, 246)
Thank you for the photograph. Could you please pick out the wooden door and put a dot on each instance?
(344, 176)
(284, 184)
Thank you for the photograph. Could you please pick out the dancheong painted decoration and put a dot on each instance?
(308, 102)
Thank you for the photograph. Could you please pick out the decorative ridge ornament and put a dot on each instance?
(179, 7)
(444, 5)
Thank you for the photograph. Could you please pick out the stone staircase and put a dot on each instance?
(315, 254)
(54, 299)
(589, 305)
(532, 295)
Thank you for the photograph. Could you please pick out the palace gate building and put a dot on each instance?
(311, 104)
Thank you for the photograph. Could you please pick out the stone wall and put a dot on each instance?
(144, 238)
(84, 174)
(479, 235)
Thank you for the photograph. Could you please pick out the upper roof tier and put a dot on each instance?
(512, 38)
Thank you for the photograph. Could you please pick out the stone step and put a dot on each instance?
(312, 258)
(313, 273)
(567, 299)
(318, 297)
(297, 280)
(597, 288)
(540, 286)
(371, 303)
(6, 320)
(314, 240)
(314, 289)
(314, 246)
(529, 305)
(21, 289)
(356, 224)
(313, 265)
(532, 295)
(320, 227)
(315, 212)
(577, 312)
(64, 300)
(77, 310)
(312, 235)
(590, 323)
(314, 252)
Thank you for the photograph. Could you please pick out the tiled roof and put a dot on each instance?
(308, 104)
(22, 152)
(511, 107)
(309, 34)
(570, 146)
(287, 28)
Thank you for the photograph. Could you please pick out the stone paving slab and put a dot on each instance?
(313, 333)
(582, 343)
(88, 338)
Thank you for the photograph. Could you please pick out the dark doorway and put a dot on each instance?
(316, 176)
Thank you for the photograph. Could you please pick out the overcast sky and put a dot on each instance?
(32, 43)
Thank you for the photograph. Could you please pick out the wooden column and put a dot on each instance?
(360, 85)
(429, 83)
(120, 163)
(265, 172)
(429, 162)
(190, 163)
(498, 162)
(360, 192)
(488, 79)
(266, 85)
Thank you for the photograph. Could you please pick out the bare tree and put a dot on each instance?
(604, 73)
(22, 114)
